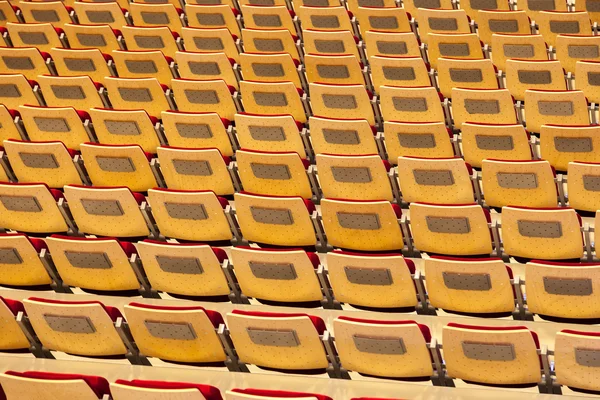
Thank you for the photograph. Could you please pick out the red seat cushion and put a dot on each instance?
(215, 317)
(97, 383)
(280, 393)
(14, 306)
(209, 392)
(424, 328)
(113, 312)
(317, 321)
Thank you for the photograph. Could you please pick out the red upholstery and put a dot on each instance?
(97, 383)
(215, 318)
(127, 247)
(209, 392)
(14, 306)
(424, 328)
(280, 393)
(317, 321)
(582, 333)
(113, 312)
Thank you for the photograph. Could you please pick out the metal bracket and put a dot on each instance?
(325, 287)
(147, 213)
(146, 289)
(155, 167)
(393, 178)
(314, 183)
(80, 167)
(58, 284)
(235, 228)
(133, 355)
(227, 268)
(63, 207)
(36, 348)
(317, 224)
(6, 167)
(233, 363)
(235, 179)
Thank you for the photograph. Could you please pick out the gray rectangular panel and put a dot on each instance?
(433, 177)
(193, 167)
(267, 133)
(384, 23)
(272, 216)
(195, 212)
(476, 106)
(155, 18)
(68, 92)
(541, 5)
(109, 208)
(417, 140)
(91, 39)
(351, 174)
(9, 90)
(593, 78)
(80, 64)
(359, 221)
(10, 256)
(586, 52)
(39, 160)
(128, 128)
(465, 281)
(275, 338)
(149, 42)
(21, 203)
(591, 183)
(455, 225)
(489, 351)
(564, 27)
(170, 330)
(204, 68)
(568, 286)
(509, 180)
(269, 21)
(341, 136)
(484, 4)
(271, 171)
(70, 324)
(573, 145)
(379, 345)
(269, 99)
(33, 38)
(427, 3)
(22, 63)
(115, 164)
(202, 96)
(556, 108)
(330, 46)
(368, 276)
(141, 66)
(180, 265)
(454, 49)
(194, 131)
(399, 73)
(491, 142)
(340, 101)
(100, 17)
(519, 50)
(203, 43)
(587, 357)
(276, 271)
(91, 260)
(42, 16)
(410, 104)
(52, 124)
(136, 95)
(504, 26)
(268, 45)
(325, 21)
(535, 77)
(443, 24)
(540, 229)
(270, 70)
(392, 48)
(333, 71)
(466, 75)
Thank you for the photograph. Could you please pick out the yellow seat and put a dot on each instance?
(27, 61)
(271, 67)
(591, 7)
(503, 21)
(273, 98)
(91, 62)
(441, 21)
(463, 46)
(551, 24)
(534, 75)
(554, 107)
(211, 40)
(64, 91)
(140, 389)
(535, 8)
(571, 363)
(125, 127)
(520, 46)
(51, 124)
(148, 38)
(45, 12)
(455, 230)
(388, 19)
(213, 16)
(581, 185)
(313, 3)
(32, 385)
(330, 42)
(342, 136)
(267, 18)
(136, 93)
(271, 41)
(8, 12)
(337, 101)
(16, 90)
(473, 8)
(399, 71)
(563, 144)
(334, 69)
(13, 337)
(411, 104)
(21, 265)
(570, 49)
(100, 13)
(43, 35)
(276, 133)
(206, 66)
(500, 141)
(101, 37)
(143, 64)
(166, 14)
(419, 139)
(412, 6)
(541, 233)
(465, 74)
(482, 106)
(324, 18)
(204, 96)
(392, 44)
(587, 81)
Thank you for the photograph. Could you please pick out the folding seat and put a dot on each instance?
(376, 280)
(274, 220)
(152, 38)
(51, 12)
(274, 98)
(126, 127)
(582, 185)
(442, 22)
(22, 263)
(144, 64)
(211, 40)
(420, 139)
(204, 96)
(136, 93)
(524, 47)
(542, 233)
(8, 129)
(493, 21)
(271, 41)
(190, 215)
(280, 275)
(159, 332)
(355, 177)
(118, 165)
(268, 17)
(412, 6)
(261, 394)
(574, 362)
(463, 46)
(27, 61)
(64, 91)
(388, 19)
(336, 101)
(101, 37)
(383, 348)
(342, 136)
(473, 7)
(35, 385)
(52, 124)
(334, 69)
(533, 8)
(197, 130)
(214, 16)
(562, 144)
(42, 36)
(278, 133)
(500, 141)
(570, 49)
(466, 74)
(522, 75)
(369, 225)
(94, 263)
(13, 337)
(157, 15)
(492, 355)
(435, 180)
(331, 43)
(31, 207)
(470, 285)
(399, 71)
(554, 107)
(206, 66)
(195, 169)
(392, 44)
(83, 328)
(591, 6)
(8, 12)
(100, 13)
(324, 18)
(411, 104)
(456, 230)
(482, 106)
(281, 341)
(270, 67)
(107, 211)
(551, 24)
(138, 389)
(90, 62)
(588, 73)
(16, 90)
(47, 162)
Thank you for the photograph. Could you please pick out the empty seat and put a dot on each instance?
(276, 133)
(457, 230)
(59, 91)
(125, 127)
(272, 17)
(388, 19)
(21, 263)
(582, 185)
(324, 18)
(469, 285)
(136, 93)
(376, 280)
(464, 46)
(551, 24)
(206, 66)
(143, 64)
(330, 42)
(482, 106)
(412, 6)
(334, 69)
(399, 71)
(271, 41)
(500, 141)
(92, 62)
(210, 40)
(281, 221)
(281, 275)
(204, 96)
(52, 12)
(190, 269)
(362, 225)
(542, 233)
(273, 99)
(588, 73)
(16, 90)
(554, 107)
(336, 101)
(27, 61)
(151, 38)
(441, 21)
(9, 12)
(100, 13)
(47, 124)
(435, 180)
(213, 16)
(31, 207)
(165, 14)
(492, 20)
(420, 139)
(113, 211)
(392, 44)
(466, 74)
(278, 340)
(43, 36)
(411, 104)
(83, 328)
(574, 358)
(383, 348)
(522, 75)
(102, 37)
(190, 215)
(261, 394)
(342, 136)
(573, 48)
(36, 385)
(520, 46)
(492, 355)
(138, 389)
(13, 338)
(271, 67)
(562, 144)
(157, 331)
(533, 8)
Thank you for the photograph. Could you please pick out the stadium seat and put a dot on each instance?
(455, 230)
(573, 48)
(31, 207)
(267, 18)
(204, 96)
(463, 46)
(138, 389)
(563, 144)
(122, 127)
(261, 394)
(574, 361)
(500, 141)
(392, 44)
(118, 165)
(411, 104)
(420, 139)
(277, 133)
(441, 21)
(388, 19)
(273, 98)
(588, 81)
(100, 13)
(342, 136)
(435, 180)
(213, 16)
(376, 280)
(22, 261)
(521, 46)
(466, 74)
(206, 66)
(210, 40)
(48, 124)
(13, 337)
(554, 107)
(330, 42)
(107, 211)
(336, 101)
(272, 67)
(412, 6)
(271, 41)
(151, 38)
(533, 8)
(28, 61)
(399, 71)
(492, 21)
(582, 186)
(136, 93)
(280, 221)
(522, 75)
(64, 91)
(166, 14)
(552, 23)
(16, 90)
(195, 169)
(46, 12)
(482, 106)
(9, 12)
(43, 36)
(101, 37)
(542, 233)
(474, 8)
(335, 69)
(69, 62)
(323, 18)
(143, 64)
(370, 225)
(189, 269)
(190, 215)
(35, 385)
